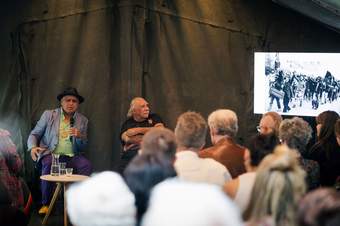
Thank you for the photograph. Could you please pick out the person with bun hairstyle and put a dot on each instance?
(278, 187)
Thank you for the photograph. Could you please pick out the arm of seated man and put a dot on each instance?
(135, 134)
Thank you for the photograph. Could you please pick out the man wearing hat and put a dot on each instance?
(60, 131)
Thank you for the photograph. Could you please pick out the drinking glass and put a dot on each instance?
(55, 170)
(69, 171)
(62, 168)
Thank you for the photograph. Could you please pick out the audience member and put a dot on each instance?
(190, 134)
(10, 166)
(326, 150)
(240, 188)
(278, 187)
(270, 123)
(223, 129)
(159, 140)
(296, 133)
(337, 134)
(337, 131)
(320, 208)
(102, 200)
(143, 173)
(10, 215)
(180, 203)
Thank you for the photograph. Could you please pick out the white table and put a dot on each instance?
(60, 180)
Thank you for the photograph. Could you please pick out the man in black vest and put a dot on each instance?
(139, 121)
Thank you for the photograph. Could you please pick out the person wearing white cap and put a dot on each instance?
(181, 203)
(102, 200)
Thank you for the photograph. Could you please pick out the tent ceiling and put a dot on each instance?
(325, 11)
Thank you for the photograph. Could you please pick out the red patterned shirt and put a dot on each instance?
(10, 165)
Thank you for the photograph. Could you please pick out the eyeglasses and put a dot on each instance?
(258, 128)
(263, 128)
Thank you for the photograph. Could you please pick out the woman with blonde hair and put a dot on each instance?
(278, 187)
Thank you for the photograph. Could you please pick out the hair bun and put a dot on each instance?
(283, 159)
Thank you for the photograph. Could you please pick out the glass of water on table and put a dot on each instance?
(62, 168)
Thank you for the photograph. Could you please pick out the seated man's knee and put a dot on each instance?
(82, 166)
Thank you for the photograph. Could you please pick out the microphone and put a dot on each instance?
(71, 125)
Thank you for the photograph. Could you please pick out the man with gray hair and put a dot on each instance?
(190, 134)
(61, 131)
(223, 129)
(139, 121)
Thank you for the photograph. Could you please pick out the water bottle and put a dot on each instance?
(55, 167)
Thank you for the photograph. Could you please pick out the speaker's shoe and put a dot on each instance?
(43, 210)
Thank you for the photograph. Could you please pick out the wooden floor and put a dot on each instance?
(55, 219)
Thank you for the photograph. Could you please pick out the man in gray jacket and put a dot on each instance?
(61, 131)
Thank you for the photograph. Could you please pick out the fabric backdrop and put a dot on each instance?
(179, 55)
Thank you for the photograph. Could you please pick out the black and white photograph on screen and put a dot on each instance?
(297, 83)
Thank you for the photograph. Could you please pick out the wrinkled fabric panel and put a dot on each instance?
(180, 55)
(81, 51)
(201, 70)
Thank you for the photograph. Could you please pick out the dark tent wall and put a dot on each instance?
(179, 55)
(12, 116)
(75, 46)
(325, 11)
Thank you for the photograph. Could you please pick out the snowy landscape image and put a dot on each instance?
(303, 84)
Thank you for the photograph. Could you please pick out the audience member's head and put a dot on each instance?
(223, 122)
(326, 139)
(4, 132)
(190, 131)
(143, 173)
(337, 131)
(325, 125)
(259, 146)
(278, 187)
(320, 207)
(270, 123)
(9, 151)
(102, 200)
(180, 203)
(159, 140)
(295, 133)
